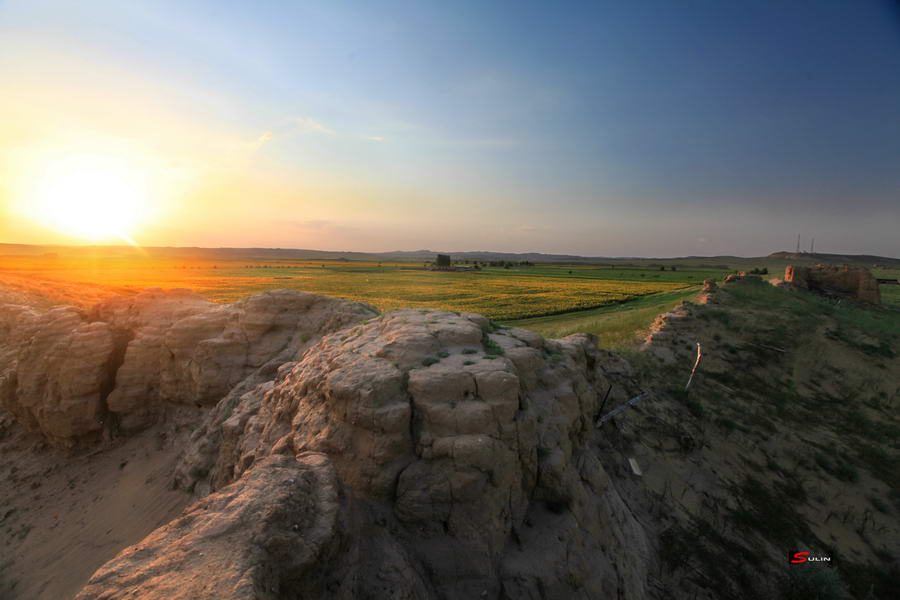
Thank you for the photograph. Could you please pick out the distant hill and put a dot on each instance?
(849, 259)
(428, 255)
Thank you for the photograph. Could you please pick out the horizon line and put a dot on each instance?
(426, 250)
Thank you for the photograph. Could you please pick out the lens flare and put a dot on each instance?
(89, 196)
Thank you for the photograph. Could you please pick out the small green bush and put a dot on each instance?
(491, 348)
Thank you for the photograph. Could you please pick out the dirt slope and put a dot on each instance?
(788, 440)
(65, 514)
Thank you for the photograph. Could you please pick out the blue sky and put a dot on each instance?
(601, 128)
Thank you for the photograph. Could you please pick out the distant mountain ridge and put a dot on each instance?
(418, 255)
(872, 259)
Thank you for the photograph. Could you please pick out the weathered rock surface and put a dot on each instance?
(70, 374)
(57, 369)
(468, 451)
(260, 538)
(848, 281)
(420, 454)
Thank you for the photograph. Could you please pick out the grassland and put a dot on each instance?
(610, 300)
(615, 325)
(499, 293)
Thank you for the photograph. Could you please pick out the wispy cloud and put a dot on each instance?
(303, 126)
(296, 125)
(264, 138)
(308, 125)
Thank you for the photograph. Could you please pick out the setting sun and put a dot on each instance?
(89, 196)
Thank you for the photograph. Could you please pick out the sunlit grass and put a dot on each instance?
(616, 325)
(495, 292)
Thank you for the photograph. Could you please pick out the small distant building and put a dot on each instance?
(443, 262)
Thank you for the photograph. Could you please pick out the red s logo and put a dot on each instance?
(799, 557)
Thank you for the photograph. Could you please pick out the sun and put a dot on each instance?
(89, 196)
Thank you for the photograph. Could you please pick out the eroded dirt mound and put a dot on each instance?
(463, 456)
(854, 282)
(262, 537)
(417, 454)
(431, 454)
(73, 374)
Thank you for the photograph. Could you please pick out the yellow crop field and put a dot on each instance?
(497, 293)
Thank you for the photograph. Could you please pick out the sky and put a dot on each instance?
(653, 128)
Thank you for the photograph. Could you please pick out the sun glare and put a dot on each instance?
(89, 196)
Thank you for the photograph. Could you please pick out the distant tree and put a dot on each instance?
(443, 260)
(672, 268)
(662, 268)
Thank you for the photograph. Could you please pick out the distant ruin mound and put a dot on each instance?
(852, 282)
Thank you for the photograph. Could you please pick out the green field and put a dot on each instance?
(499, 293)
(612, 300)
(615, 325)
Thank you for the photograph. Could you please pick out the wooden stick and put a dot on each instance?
(694, 370)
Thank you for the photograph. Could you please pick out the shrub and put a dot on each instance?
(811, 581)
(491, 348)
(695, 407)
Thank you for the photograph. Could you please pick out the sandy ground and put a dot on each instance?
(64, 514)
